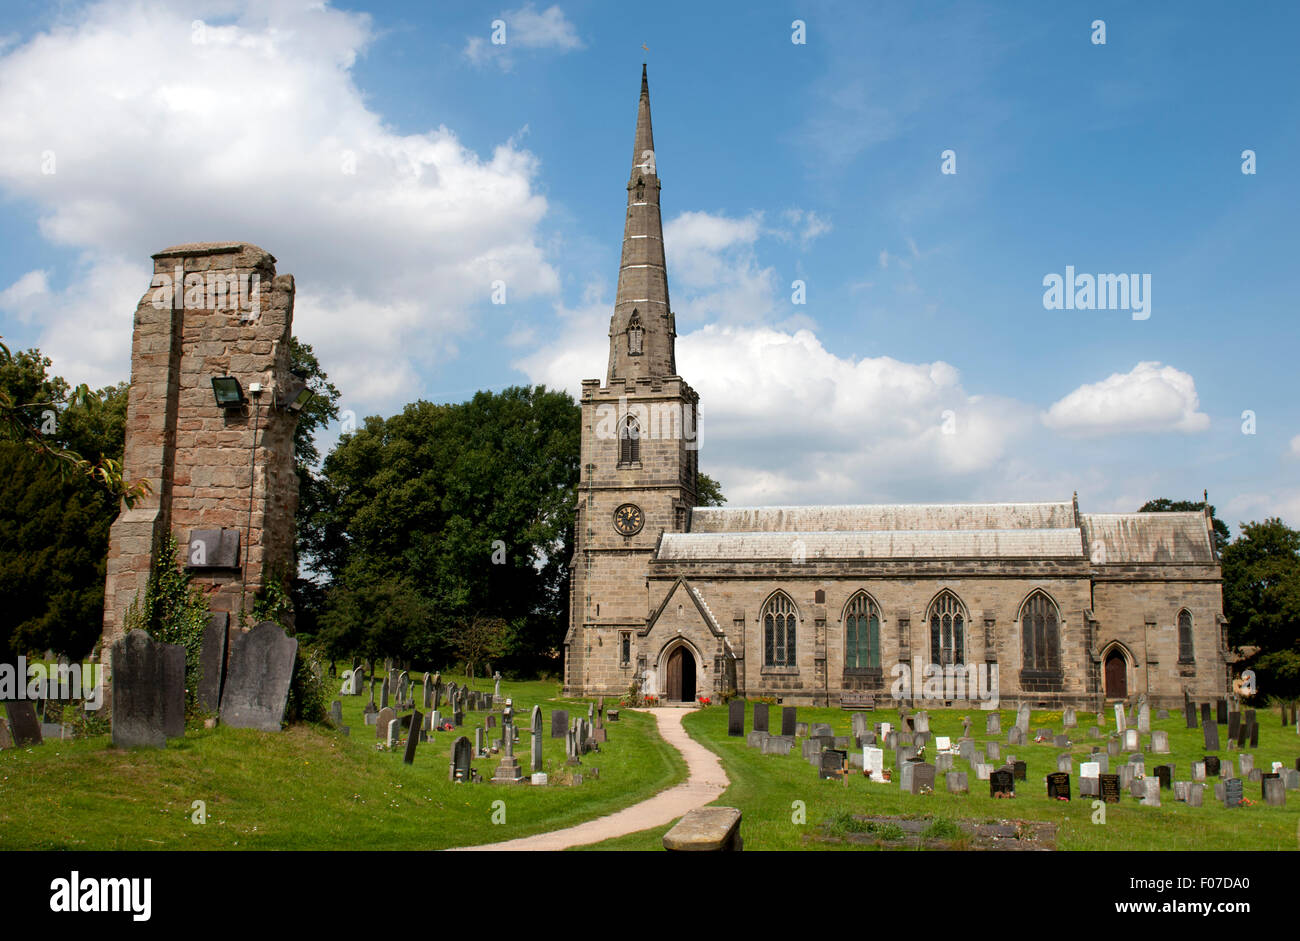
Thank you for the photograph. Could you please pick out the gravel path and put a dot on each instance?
(706, 781)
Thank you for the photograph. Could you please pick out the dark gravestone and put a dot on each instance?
(1058, 786)
(789, 715)
(922, 778)
(1211, 733)
(1254, 735)
(413, 736)
(461, 755)
(1165, 774)
(23, 724)
(1211, 766)
(760, 717)
(258, 677)
(1002, 783)
(1249, 717)
(736, 717)
(559, 723)
(1190, 715)
(1110, 788)
(1205, 713)
(1221, 712)
(148, 690)
(1020, 770)
(832, 763)
(1242, 732)
(1234, 723)
(212, 661)
(1233, 791)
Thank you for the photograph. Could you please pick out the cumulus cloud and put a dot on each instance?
(1295, 446)
(525, 28)
(160, 131)
(1149, 398)
(713, 263)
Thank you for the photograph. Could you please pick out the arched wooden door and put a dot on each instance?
(681, 675)
(1116, 676)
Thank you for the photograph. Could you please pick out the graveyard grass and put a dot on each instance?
(765, 787)
(309, 787)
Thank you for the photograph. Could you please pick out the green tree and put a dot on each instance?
(472, 504)
(708, 492)
(1261, 599)
(1165, 505)
(54, 518)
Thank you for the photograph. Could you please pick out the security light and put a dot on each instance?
(229, 393)
(295, 396)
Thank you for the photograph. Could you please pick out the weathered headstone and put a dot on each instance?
(832, 763)
(993, 724)
(736, 717)
(1015, 735)
(258, 677)
(25, 727)
(1160, 742)
(1195, 792)
(413, 736)
(922, 778)
(761, 717)
(386, 715)
(788, 719)
(1131, 740)
(1144, 719)
(1151, 795)
(336, 712)
(461, 756)
(148, 692)
(955, 782)
(559, 723)
(1120, 724)
(1198, 771)
(1254, 734)
(1211, 733)
(1064, 763)
(212, 661)
(1221, 711)
(1233, 792)
(992, 751)
(426, 697)
(1019, 769)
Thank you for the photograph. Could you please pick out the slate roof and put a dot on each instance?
(898, 544)
(1126, 538)
(928, 517)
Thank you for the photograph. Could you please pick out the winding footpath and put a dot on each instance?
(705, 781)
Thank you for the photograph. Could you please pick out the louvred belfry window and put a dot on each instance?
(629, 441)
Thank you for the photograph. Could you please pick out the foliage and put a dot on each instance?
(308, 695)
(708, 492)
(1165, 505)
(481, 639)
(1261, 599)
(455, 511)
(31, 420)
(174, 611)
(54, 524)
(272, 601)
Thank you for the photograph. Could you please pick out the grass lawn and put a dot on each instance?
(310, 787)
(766, 787)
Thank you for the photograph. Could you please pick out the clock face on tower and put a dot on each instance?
(628, 519)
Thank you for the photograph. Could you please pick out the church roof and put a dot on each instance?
(1119, 538)
(796, 546)
(884, 517)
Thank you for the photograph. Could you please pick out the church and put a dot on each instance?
(852, 605)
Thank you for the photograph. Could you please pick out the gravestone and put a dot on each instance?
(1069, 720)
(1061, 741)
(480, 743)
(1110, 788)
(1242, 731)
(413, 736)
(461, 755)
(559, 723)
(1019, 768)
(1233, 791)
(386, 715)
(212, 661)
(1211, 733)
(966, 750)
(1189, 715)
(993, 723)
(873, 763)
(832, 762)
(1162, 714)
(1022, 717)
(1254, 734)
(965, 726)
(983, 771)
(1002, 784)
(1064, 763)
(258, 677)
(1205, 713)
(1234, 724)
(1212, 767)
(1112, 747)
(1195, 794)
(1247, 763)
(371, 708)
(1058, 786)
(921, 723)
(148, 693)
(788, 719)
(384, 692)
(922, 778)
(777, 744)
(992, 751)
(944, 762)
(1164, 774)
(1151, 797)
(736, 717)
(1221, 712)
(955, 782)
(426, 698)
(24, 726)
(760, 717)
(1144, 719)
(336, 712)
(1015, 735)
(1120, 724)
(1160, 742)
(1198, 771)
(1180, 790)
(1131, 741)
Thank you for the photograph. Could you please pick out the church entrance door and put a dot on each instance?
(681, 675)
(1116, 676)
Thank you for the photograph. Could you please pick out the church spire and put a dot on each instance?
(641, 332)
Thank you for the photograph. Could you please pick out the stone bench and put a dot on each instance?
(850, 699)
(706, 830)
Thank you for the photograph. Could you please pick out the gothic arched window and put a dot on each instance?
(779, 618)
(629, 440)
(1186, 652)
(861, 633)
(635, 335)
(947, 630)
(1040, 628)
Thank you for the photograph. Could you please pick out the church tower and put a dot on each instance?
(639, 449)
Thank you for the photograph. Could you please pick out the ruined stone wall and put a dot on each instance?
(236, 319)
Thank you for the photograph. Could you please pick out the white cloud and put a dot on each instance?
(525, 28)
(1149, 398)
(712, 262)
(1295, 446)
(807, 225)
(250, 133)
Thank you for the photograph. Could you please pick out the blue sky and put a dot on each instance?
(924, 366)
